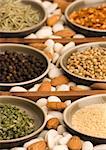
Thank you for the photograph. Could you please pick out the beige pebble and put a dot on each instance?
(63, 87)
(87, 145)
(58, 47)
(18, 89)
(58, 27)
(53, 99)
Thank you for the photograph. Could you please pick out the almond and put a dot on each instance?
(66, 33)
(53, 123)
(45, 86)
(59, 106)
(49, 55)
(59, 80)
(75, 88)
(38, 45)
(98, 86)
(41, 145)
(53, 20)
(62, 4)
(74, 143)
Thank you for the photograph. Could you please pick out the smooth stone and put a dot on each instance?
(87, 146)
(60, 147)
(54, 99)
(18, 89)
(41, 102)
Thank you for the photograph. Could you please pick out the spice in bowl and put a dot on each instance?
(91, 17)
(14, 123)
(91, 120)
(90, 63)
(19, 67)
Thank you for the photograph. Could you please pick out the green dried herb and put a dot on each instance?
(14, 123)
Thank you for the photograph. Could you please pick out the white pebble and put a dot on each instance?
(27, 144)
(31, 36)
(57, 138)
(83, 87)
(50, 43)
(57, 12)
(52, 8)
(63, 87)
(58, 47)
(87, 146)
(45, 32)
(52, 66)
(68, 102)
(71, 84)
(55, 57)
(50, 136)
(61, 129)
(18, 89)
(35, 88)
(64, 140)
(65, 133)
(49, 116)
(53, 88)
(78, 36)
(46, 4)
(18, 148)
(57, 114)
(60, 147)
(55, 72)
(46, 79)
(67, 47)
(100, 147)
(43, 133)
(58, 26)
(42, 102)
(54, 99)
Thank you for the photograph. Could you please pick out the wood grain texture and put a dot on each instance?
(63, 40)
(64, 95)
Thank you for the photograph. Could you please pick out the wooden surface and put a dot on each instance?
(64, 95)
(63, 41)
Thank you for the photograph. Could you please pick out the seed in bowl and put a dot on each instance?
(90, 63)
(18, 67)
(14, 123)
(93, 17)
(91, 120)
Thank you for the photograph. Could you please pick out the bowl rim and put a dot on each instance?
(32, 80)
(74, 103)
(77, 25)
(73, 49)
(32, 27)
(32, 134)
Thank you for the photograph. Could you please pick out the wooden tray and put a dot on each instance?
(64, 95)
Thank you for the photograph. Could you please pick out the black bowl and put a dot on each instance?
(81, 29)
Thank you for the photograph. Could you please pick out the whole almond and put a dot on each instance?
(59, 106)
(75, 88)
(38, 45)
(41, 145)
(74, 143)
(53, 20)
(62, 4)
(53, 123)
(45, 86)
(98, 86)
(59, 80)
(66, 33)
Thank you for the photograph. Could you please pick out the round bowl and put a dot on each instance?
(76, 78)
(26, 50)
(75, 106)
(81, 29)
(34, 111)
(34, 28)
